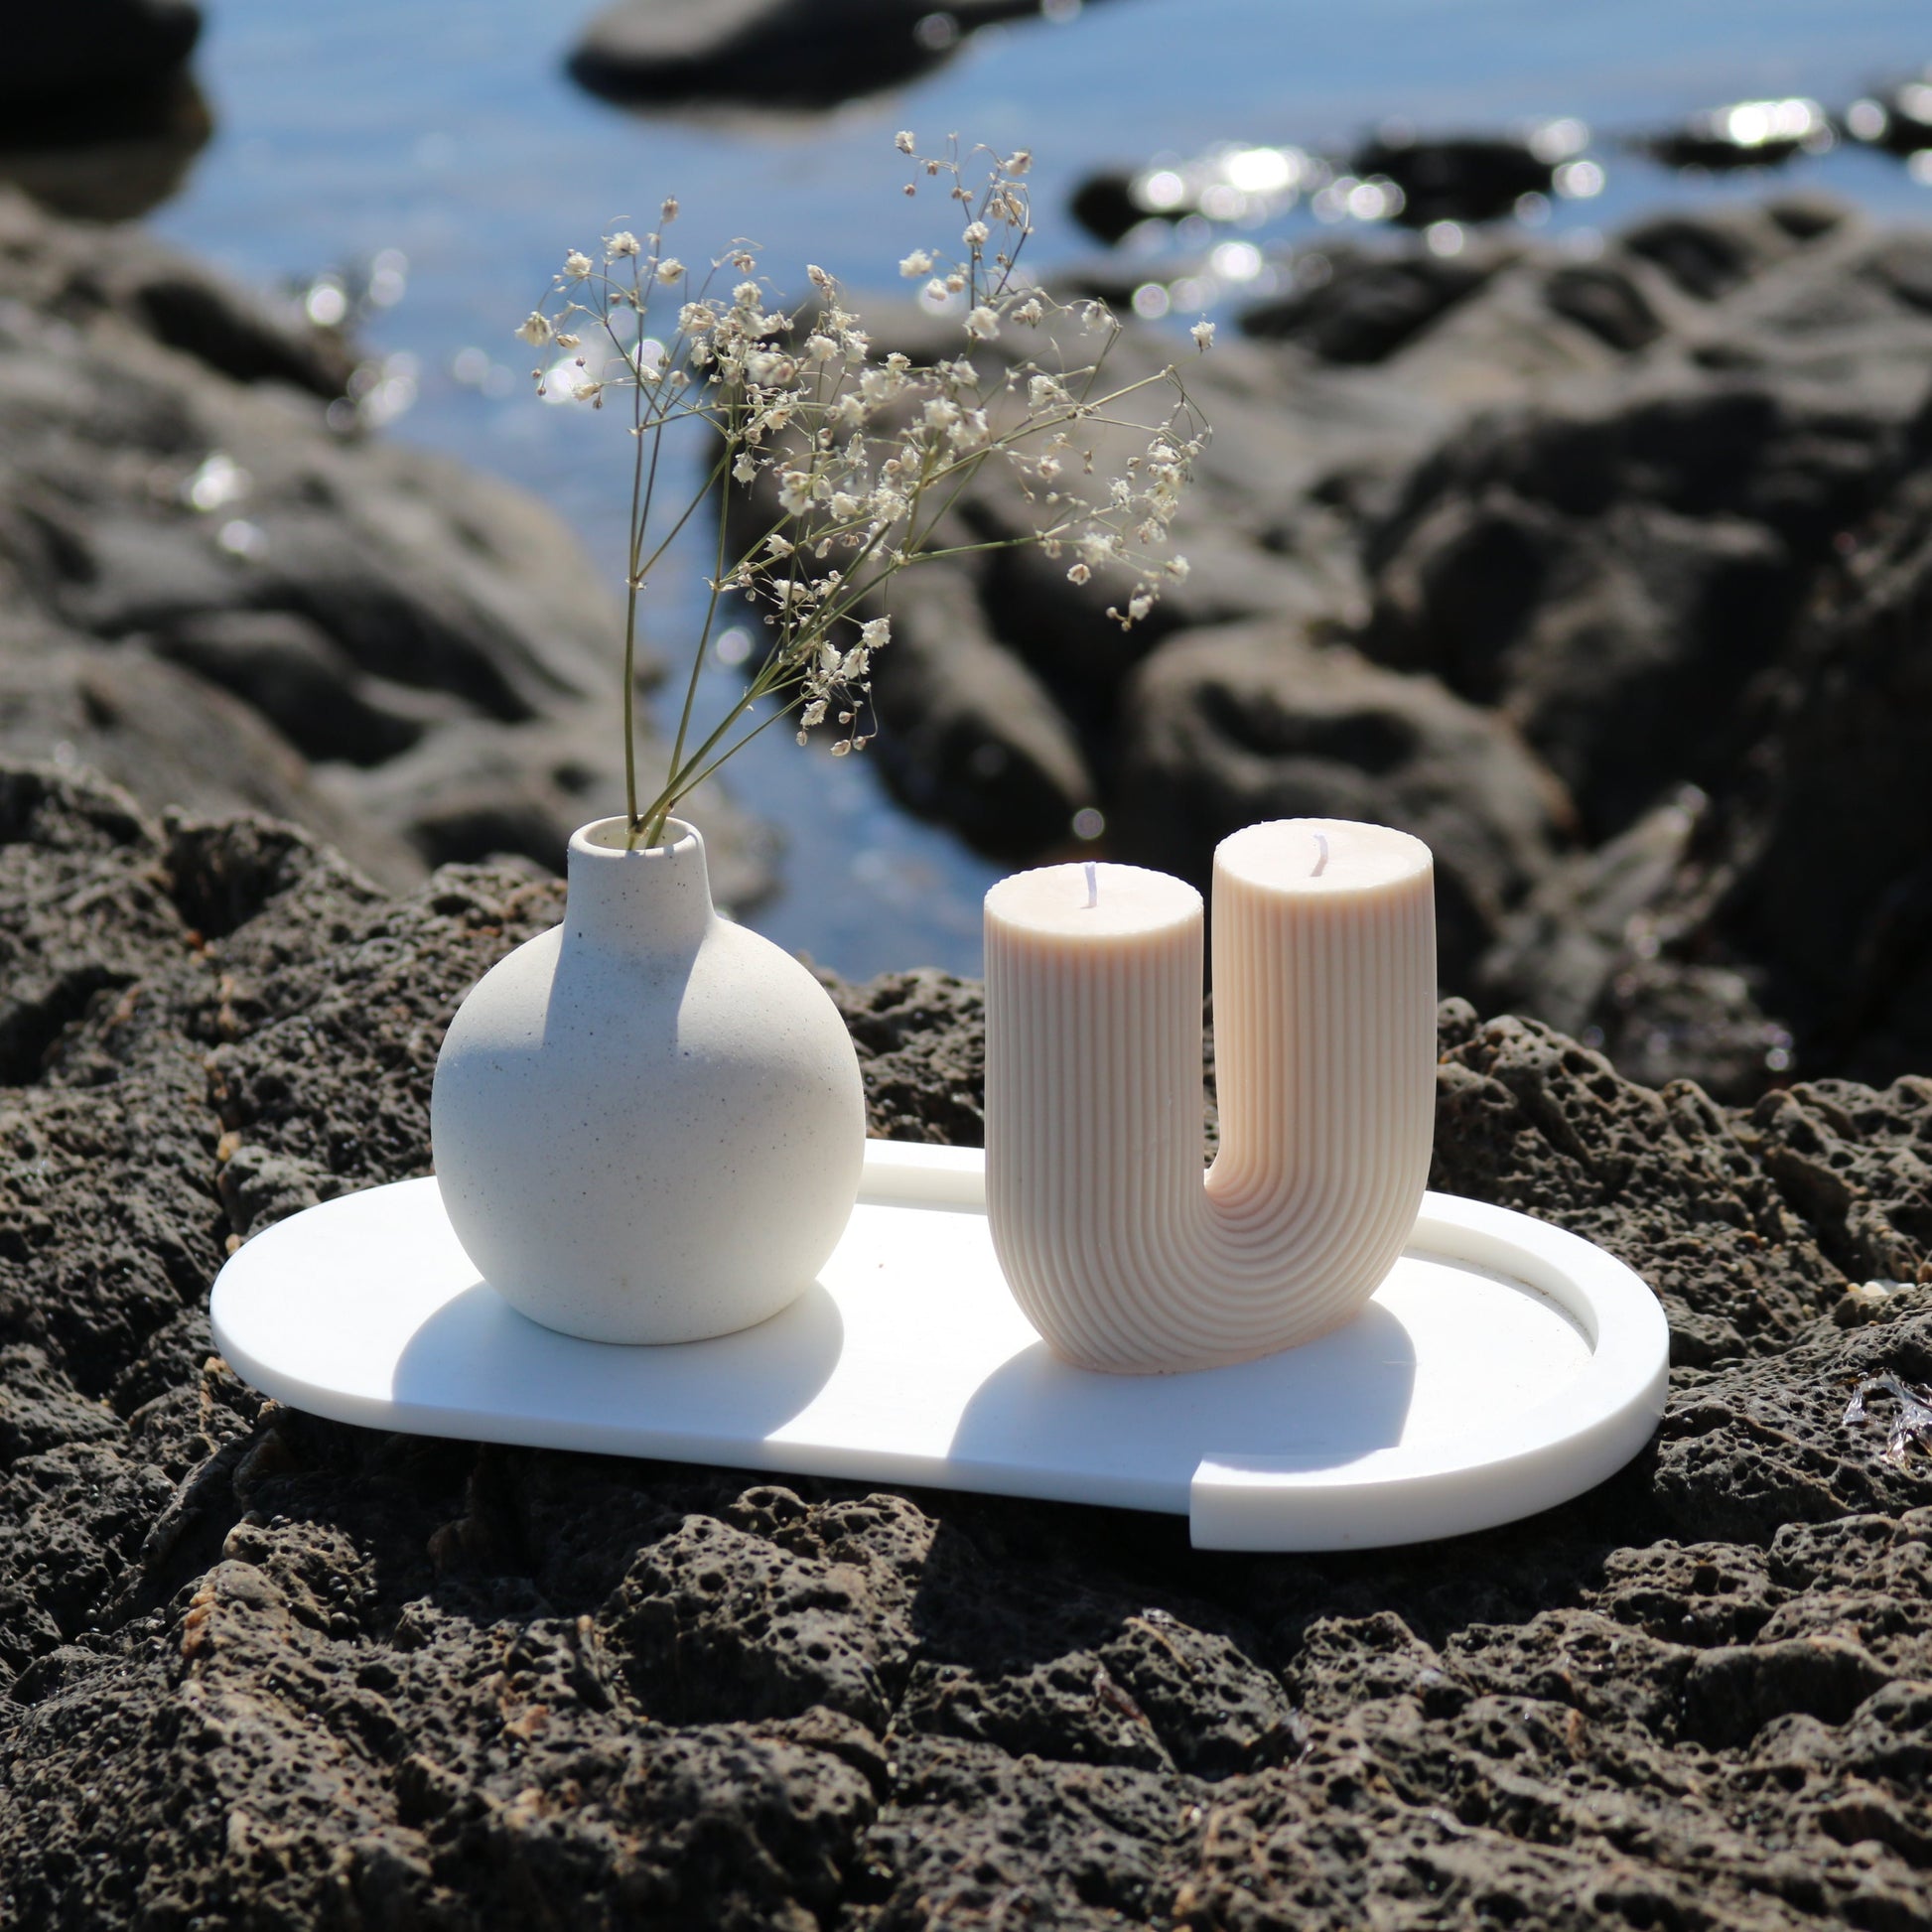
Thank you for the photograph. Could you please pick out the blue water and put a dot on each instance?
(446, 130)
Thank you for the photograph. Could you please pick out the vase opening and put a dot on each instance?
(611, 836)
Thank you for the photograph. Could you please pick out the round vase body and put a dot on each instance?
(648, 1122)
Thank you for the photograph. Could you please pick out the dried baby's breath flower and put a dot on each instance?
(1203, 334)
(854, 458)
(904, 141)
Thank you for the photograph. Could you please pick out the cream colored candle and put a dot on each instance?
(1121, 1251)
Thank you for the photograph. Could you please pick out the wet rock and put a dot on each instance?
(1750, 134)
(772, 53)
(1896, 118)
(1456, 177)
(1106, 206)
(108, 161)
(85, 59)
(219, 601)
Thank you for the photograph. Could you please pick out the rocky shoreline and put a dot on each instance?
(262, 1670)
(216, 589)
(1607, 577)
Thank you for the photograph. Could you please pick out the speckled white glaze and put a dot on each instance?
(648, 1121)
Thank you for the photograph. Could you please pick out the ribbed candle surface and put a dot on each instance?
(1121, 1251)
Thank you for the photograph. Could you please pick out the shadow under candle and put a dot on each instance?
(1322, 1406)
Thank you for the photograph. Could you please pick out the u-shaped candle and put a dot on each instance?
(1120, 1251)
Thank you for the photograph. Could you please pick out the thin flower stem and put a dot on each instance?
(771, 718)
(655, 829)
(632, 588)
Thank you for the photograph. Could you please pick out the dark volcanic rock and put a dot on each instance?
(784, 54)
(219, 601)
(1613, 568)
(1456, 177)
(1784, 924)
(82, 58)
(258, 1669)
(1843, 903)
(109, 158)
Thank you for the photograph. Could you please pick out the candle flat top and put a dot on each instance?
(1322, 856)
(1120, 902)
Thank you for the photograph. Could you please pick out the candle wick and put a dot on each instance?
(1321, 840)
(1093, 884)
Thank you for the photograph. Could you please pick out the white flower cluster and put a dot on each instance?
(852, 458)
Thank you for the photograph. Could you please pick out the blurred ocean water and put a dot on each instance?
(435, 150)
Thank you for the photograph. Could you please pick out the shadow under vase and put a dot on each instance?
(478, 1366)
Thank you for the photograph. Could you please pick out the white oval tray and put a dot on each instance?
(1502, 1367)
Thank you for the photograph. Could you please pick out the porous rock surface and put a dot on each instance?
(262, 1671)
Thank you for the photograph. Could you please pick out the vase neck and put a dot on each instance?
(654, 900)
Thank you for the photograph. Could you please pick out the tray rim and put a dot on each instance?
(1529, 1460)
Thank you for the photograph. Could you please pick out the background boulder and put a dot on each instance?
(771, 54)
(219, 592)
(83, 56)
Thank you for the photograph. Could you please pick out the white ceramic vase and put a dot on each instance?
(648, 1122)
